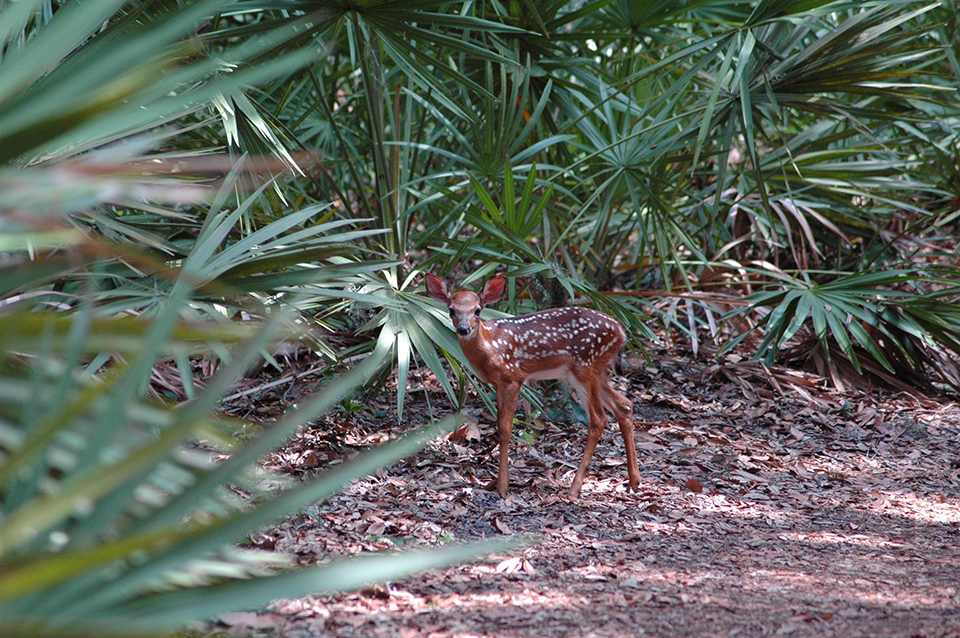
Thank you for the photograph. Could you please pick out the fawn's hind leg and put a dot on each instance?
(622, 409)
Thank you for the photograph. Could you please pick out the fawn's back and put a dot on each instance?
(561, 343)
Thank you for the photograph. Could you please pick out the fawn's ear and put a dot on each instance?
(437, 288)
(493, 290)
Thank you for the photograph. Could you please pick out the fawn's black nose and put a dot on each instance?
(463, 330)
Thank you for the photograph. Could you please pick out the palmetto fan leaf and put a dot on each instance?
(133, 508)
(49, 102)
(874, 311)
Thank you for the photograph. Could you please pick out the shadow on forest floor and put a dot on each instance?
(765, 510)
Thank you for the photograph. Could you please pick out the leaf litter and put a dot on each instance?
(769, 506)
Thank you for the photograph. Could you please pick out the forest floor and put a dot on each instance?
(768, 506)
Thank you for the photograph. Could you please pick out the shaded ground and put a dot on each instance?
(768, 507)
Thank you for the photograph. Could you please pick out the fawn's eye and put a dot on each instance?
(477, 312)
(451, 313)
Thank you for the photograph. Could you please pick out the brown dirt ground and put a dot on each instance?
(768, 507)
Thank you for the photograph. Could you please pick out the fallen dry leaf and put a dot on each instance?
(694, 485)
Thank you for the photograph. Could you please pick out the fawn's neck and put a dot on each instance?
(481, 351)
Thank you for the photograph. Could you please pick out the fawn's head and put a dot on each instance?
(465, 306)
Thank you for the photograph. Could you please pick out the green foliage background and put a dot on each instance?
(779, 176)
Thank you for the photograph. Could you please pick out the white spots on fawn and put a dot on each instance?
(580, 333)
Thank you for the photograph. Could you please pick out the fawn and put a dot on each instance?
(574, 344)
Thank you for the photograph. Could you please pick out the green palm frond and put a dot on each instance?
(897, 317)
(106, 504)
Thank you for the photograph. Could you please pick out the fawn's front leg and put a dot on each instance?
(508, 394)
